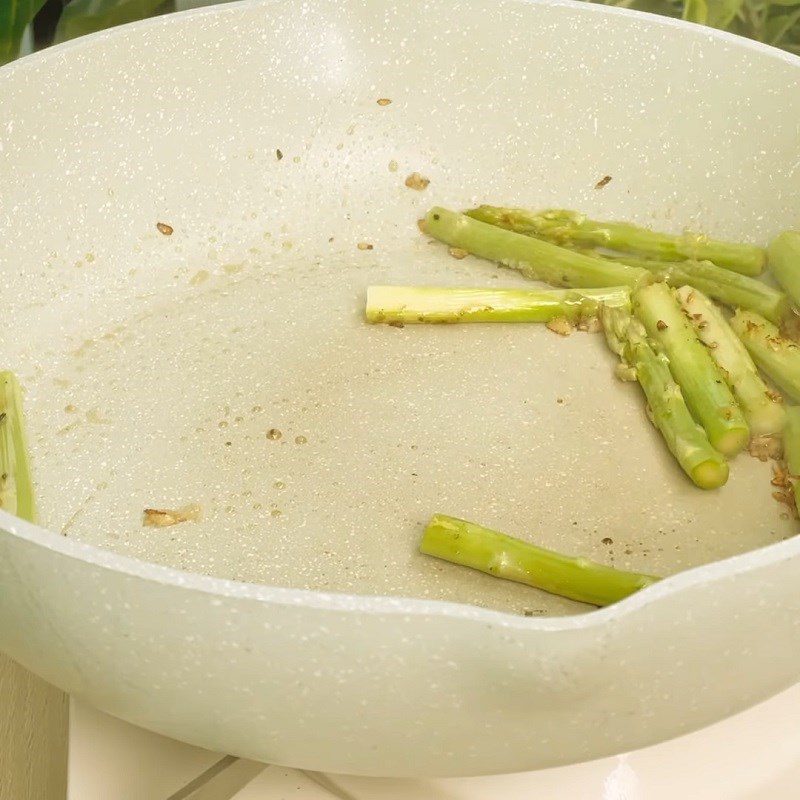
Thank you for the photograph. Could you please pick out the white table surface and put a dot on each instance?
(753, 756)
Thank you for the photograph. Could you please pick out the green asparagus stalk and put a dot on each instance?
(503, 556)
(533, 258)
(411, 304)
(783, 255)
(791, 449)
(569, 228)
(16, 488)
(709, 399)
(686, 440)
(723, 285)
(775, 355)
(763, 409)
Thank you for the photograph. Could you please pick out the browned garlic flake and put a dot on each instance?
(560, 325)
(458, 253)
(164, 517)
(766, 447)
(417, 182)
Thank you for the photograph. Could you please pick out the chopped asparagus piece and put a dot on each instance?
(503, 556)
(723, 285)
(16, 488)
(410, 304)
(774, 354)
(686, 440)
(533, 258)
(709, 399)
(791, 449)
(569, 227)
(763, 409)
(783, 255)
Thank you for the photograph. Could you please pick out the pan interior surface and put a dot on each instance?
(227, 363)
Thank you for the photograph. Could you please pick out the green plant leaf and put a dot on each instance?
(722, 12)
(696, 11)
(87, 16)
(15, 16)
(779, 26)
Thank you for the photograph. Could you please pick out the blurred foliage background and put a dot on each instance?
(32, 24)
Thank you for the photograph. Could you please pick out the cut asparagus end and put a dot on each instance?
(775, 355)
(416, 304)
(535, 259)
(668, 411)
(783, 255)
(710, 474)
(703, 386)
(570, 228)
(763, 409)
(16, 488)
(503, 556)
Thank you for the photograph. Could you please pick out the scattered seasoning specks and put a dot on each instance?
(457, 252)
(384, 101)
(661, 325)
(392, 166)
(278, 155)
(273, 434)
(365, 246)
(417, 182)
(607, 540)
(300, 440)
(604, 181)
(167, 230)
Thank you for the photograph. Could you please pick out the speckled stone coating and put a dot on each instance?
(157, 363)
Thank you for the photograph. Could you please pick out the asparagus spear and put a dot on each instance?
(763, 408)
(16, 489)
(569, 227)
(470, 545)
(791, 449)
(783, 255)
(774, 354)
(534, 259)
(409, 304)
(723, 285)
(707, 395)
(686, 440)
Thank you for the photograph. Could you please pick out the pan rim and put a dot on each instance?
(343, 602)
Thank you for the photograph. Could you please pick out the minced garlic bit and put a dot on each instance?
(458, 253)
(167, 230)
(164, 517)
(590, 325)
(417, 181)
(384, 101)
(273, 434)
(766, 447)
(365, 246)
(392, 166)
(560, 325)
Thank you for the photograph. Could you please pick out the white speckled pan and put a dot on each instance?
(296, 623)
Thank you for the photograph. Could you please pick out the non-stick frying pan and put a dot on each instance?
(296, 623)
